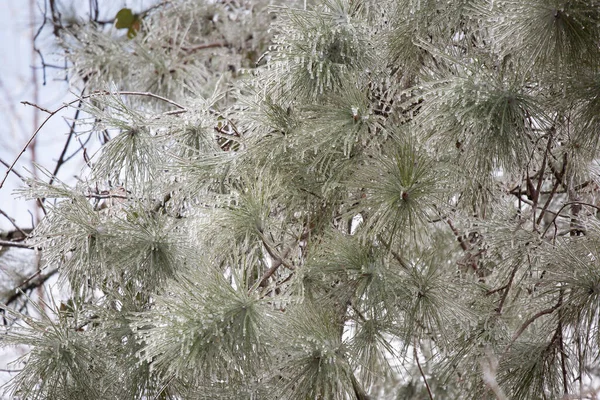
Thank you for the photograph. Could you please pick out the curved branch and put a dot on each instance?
(69, 104)
(569, 203)
(529, 322)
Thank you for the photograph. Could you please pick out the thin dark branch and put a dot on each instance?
(548, 201)
(8, 243)
(274, 254)
(422, 373)
(81, 147)
(34, 281)
(563, 365)
(69, 104)
(109, 196)
(357, 311)
(25, 303)
(276, 263)
(397, 256)
(492, 291)
(175, 112)
(561, 347)
(10, 370)
(536, 194)
(164, 387)
(94, 10)
(464, 245)
(41, 27)
(36, 49)
(359, 392)
(569, 203)
(265, 277)
(27, 103)
(458, 236)
(559, 177)
(539, 314)
(192, 49)
(12, 221)
(31, 139)
(61, 158)
(530, 203)
(131, 93)
(7, 165)
(86, 322)
(45, 65)
(508, 285)
(33, 276)
(56, 23)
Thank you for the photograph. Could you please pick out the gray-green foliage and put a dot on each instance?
(352, 199)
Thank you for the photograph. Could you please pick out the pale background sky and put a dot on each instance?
(18, 121)
(17, 84)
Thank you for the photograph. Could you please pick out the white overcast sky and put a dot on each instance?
(17, 85)
(18, 122)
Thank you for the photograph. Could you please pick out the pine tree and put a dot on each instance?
(345, 199)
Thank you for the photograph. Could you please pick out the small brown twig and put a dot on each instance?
(508, 285)
(34, 281)
(27, 103)
(7, 165)
(421, 371)
(492, 291)
(569, 203)
(61, 158)
(396, 256)
(276, 263)
(192, 49)
(8, 243)
(69, 104)
(10, 370)
(12, 221)
(520, 331)
(558, 178)
(276, 256)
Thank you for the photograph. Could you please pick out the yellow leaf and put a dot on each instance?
(125, 18)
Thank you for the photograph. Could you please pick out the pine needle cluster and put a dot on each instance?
(341, 199)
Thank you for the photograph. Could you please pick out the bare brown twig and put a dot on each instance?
(12, 221)
(27, 103)
(8, 243)
(34, 281)
(569, 203)
(69, 104)
(422, 373)
(520, 331)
